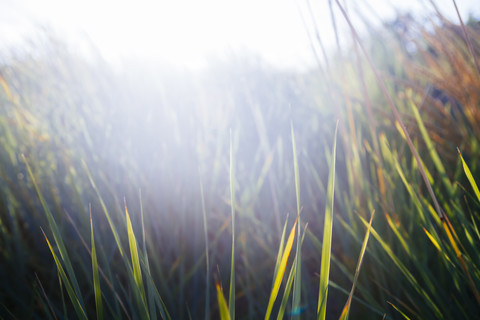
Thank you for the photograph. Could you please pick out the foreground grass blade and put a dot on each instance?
(96, 278)
(346, 309)
(231, 296)
(150, 290)
(280, 271)
(327, 237)
(222, 304)
(288, 287)
(56, 234)
(297, 283)
(137, 272)
(71, 292)
(469, 175)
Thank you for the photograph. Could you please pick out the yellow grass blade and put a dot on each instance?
(469, 175)
(222, 304)
(137, 273)
(281, 271)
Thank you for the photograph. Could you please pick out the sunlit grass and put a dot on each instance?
(73, 148)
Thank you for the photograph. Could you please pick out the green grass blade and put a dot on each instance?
(96, 278)
(286, 293)
(207, 255)
(137, 272)
(399, 311)
(407, 274)
(56, 234)
(327, 236)
(71, 292)
(469, 175)
(231, 296)
(157, 298)
(281, 271)
(431, 148)
(150, 290)
(288, 286)
(104, 208)
(222, 304)
(297, 284)
(346, 309)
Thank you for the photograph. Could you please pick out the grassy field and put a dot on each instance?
(244, 191)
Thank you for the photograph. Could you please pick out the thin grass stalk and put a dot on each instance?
(96, 279)
(327, 236)
(207, 256)
(101, 272)
(298, 261)
(150, 291)
(79, 310)
(288, 286)
(231, 296)
(395, 112)
(56, 234)
(346, 310)
(398, 310)
(46, 298)
(467, 39)
(104, 207)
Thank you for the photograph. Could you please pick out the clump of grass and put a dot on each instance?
(147, 261)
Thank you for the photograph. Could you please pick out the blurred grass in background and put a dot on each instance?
(153, 135)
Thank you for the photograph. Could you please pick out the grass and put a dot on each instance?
(407, 147)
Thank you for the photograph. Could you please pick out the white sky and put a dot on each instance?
(185, 32)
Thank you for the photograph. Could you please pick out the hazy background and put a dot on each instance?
(187, 32)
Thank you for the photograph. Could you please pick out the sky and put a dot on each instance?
(188, 32)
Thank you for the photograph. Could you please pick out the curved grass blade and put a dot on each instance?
(96, 278)
(281, 271)
(71, 292)
(346, 309)
(327, 237)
